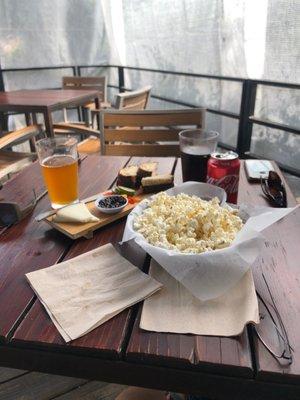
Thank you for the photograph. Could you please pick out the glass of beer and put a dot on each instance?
(196, 146)
(59, 161)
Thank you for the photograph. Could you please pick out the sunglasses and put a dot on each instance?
(11, 213)
(271, 330)
(274, 189)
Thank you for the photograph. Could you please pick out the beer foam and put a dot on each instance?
(58, 160)
(197, 150)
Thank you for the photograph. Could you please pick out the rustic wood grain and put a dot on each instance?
(280, 263)
(30, 245)
(39, 100)
(15, 190)
(196, 354)
(38, 386)
(154, 117)
(93, 391)
(10, 373)
(106, 340)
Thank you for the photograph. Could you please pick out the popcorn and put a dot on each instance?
(187, 224)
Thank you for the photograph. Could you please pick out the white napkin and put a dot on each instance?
(84, 292)
(174, 309)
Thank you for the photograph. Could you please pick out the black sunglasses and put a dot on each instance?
(274, 189)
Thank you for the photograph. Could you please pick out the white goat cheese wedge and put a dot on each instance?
(77, 212)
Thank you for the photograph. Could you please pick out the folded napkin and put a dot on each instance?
(83, 292)
(175, 309)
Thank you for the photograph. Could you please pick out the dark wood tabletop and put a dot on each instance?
(119, 351)
(46, 101)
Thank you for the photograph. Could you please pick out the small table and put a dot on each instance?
(118, 350)
(45, 101)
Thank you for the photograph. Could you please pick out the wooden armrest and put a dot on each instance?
(74, 128)
(105, 105)
(19, 136)
(11, 161)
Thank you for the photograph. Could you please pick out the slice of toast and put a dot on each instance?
(157, 183)
(128, 177)
(145, 169)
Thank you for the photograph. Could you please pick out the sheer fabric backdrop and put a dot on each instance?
(243, 38)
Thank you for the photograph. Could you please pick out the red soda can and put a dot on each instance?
(223, 170)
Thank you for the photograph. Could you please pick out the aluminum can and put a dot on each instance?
(223, 170)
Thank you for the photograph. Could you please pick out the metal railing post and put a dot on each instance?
(246, 110)
(121, 79)
(3, 116)
(74, 70)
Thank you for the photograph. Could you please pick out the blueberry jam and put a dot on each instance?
(112, 202)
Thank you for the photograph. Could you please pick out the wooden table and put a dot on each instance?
(118, 351)
(45, 102)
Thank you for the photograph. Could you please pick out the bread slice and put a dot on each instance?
(128, 177)
(157, 183)
(145, 169)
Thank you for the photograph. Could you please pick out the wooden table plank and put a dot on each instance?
(33, 99)
(6, 374)
(46, 101)
(251, 193)
(106, 340)
(38, 386)
(197, 354)
(30, 245)
(280, 263)
(14, 189)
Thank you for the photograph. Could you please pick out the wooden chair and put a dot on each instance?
(12, 161)
(20, 136)
(83, 83)
(158, 126)
(135, 100)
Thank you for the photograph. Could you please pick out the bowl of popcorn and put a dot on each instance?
(196, 237)
(187, 224)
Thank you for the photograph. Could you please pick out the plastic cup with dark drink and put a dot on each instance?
(196, 146)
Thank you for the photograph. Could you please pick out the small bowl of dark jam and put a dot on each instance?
(111, 204)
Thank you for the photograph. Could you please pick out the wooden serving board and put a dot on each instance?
(77, 230)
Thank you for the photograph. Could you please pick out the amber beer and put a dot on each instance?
(60, 173)
(58, 158)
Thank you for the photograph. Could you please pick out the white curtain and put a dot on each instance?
(257, 39)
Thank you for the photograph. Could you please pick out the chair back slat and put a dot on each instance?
(143, 150)
(135, 100)
(87, 83)
(155, 126)
(153, 118)
(145, 135)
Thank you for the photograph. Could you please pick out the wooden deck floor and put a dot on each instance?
(23, 385)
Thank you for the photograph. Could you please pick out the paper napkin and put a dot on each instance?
(174, 309)
(82, 293)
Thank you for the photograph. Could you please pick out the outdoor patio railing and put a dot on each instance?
(245, 116)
